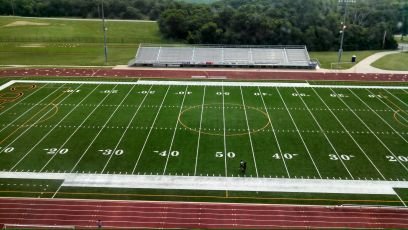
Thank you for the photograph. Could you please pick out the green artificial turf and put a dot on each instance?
(318, 133)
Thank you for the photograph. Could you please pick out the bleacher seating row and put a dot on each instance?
(165, 56)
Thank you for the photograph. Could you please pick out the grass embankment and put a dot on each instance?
(27, 41)
(393, 62)
(327, 58)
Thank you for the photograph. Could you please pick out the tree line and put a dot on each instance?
(315, 23)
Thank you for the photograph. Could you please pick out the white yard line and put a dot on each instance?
(87, 117)
(274, 133)
(59, 188)
(150, 131)
(216, 183)
(20, 101)
(175, 131)
(46, 135)
(31, 108)
(199, 133)
(206, 83)
(383, 144)
(402, 201)
(62, 146)
(127, 128)
(104, 125)
(372, 110)
(348, 132)
(300, 135)
(324, 134)
(31, 125)
(224, 130)
(249, 133)
(6, 85)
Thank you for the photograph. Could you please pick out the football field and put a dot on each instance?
(282, 130)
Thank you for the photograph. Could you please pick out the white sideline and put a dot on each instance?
(205, 83)
(216, 183)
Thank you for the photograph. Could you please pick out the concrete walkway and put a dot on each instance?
(364, 66)
(216, 183)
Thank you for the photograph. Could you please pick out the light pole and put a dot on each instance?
(104, 34)
(343, 26)
(12, 6)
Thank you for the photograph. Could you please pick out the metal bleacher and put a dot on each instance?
(222, 56)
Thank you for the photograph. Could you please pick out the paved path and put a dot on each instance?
(365, 186)
(364, 66)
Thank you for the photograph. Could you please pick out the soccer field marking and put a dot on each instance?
(377, 113)
(348, 132)
(402, 110)
(225, 137)
(127, 128)
(27, 110)
(300, 135)
(106, 122)
(150, 131)
(249, 132)
(89, 115)
(310, 131)
(274, 133)
(26, 122)
(382, 143)
(199, 133)
(22, 101)
(212, 131)
(227, 107)
(33, 116)
(46, 135)
(62, 146)
(175, 131)
(324, 134)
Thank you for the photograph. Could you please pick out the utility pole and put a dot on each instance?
(12, 6)
(104, 34)
(343, 26)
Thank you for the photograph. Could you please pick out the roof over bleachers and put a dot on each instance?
(222, 56)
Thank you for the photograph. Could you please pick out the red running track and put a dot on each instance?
(238, 74)
(144, 214)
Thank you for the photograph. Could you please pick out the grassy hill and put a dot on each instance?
(37, 41)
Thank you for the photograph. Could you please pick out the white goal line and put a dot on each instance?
(203, 83)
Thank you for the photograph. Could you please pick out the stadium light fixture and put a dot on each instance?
(343, 25)
(105, 29)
